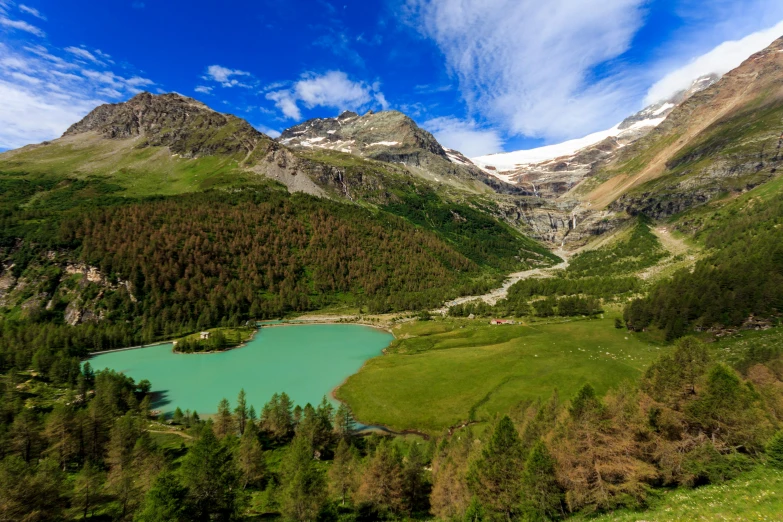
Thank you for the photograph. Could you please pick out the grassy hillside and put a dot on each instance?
(469, 370)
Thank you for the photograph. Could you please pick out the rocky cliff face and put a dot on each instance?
(188, 127)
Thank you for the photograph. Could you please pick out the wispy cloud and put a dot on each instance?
(525, 64)
(464, 136)
(332, 89)
(45, 90)
(83, 53)
(21, 25)
(203, 89)
(226, 77)
(32, 11)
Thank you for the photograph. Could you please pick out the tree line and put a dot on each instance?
(690, 421)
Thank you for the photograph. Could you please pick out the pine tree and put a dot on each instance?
(342, 473)
(775, 451)
(475, 512)
(543, 495)
(210, 474)
(496, 478)
(240, 412)
(165, 501)
(344, 423)
(250, 457)
(413, 480)
(303, 488)
(224, 421)
(87, 488)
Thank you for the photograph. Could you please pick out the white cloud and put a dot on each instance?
(331, 89)
(223, 76)
(525, 64)
(272, 133)
(720, 60)
(464, 136)
(21, 26)
(203, 89)
(83, 53)
(43, 94)
(32, 11)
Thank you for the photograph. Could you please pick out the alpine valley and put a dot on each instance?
(588, 329)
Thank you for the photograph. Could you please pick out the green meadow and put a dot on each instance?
(442, 373)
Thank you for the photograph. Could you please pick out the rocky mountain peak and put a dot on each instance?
(385, 136)
(187, 126)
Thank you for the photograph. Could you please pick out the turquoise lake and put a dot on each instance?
(305, 361)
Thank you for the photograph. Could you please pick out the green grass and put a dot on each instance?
(756, 495)
(441, 373)
(234, 335)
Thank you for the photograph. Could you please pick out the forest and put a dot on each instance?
(96, 452)
(741, 278)
(171, 266)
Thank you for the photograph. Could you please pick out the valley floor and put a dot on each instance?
(445, 372)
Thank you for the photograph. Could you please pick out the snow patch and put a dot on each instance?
(508, 161)
(385, 143)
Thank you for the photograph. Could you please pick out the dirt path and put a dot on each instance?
(672, 244)
(493, 296)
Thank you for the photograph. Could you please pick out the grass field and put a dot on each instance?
(444, 372)
(757, 495)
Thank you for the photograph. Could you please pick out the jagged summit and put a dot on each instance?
(187, 126)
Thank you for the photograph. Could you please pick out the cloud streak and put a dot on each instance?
(32, 11)
(21, 26)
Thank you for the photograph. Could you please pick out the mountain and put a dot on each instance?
(392, 137)
(722, 140)
(553, 170)
(161, 205)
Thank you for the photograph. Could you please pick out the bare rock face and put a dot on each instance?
(188, 127)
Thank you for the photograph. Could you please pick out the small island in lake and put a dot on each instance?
(214, 340)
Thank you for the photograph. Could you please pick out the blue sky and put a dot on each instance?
(483, 75)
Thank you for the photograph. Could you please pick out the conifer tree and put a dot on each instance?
(342, 473)
(166, 501)
(224, 421)
(543, 495)
(381, 487)
(413, 480)
(775, 451)
(250, 457)
(210, 474)
(240, 412)
(303, 486)
(496, 477)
